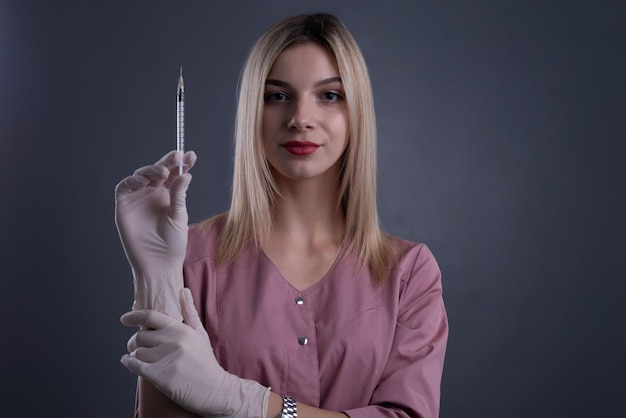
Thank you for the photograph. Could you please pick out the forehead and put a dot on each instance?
(304, 62)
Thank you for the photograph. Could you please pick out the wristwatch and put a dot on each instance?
(289, 408)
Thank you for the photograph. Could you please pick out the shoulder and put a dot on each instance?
(203, 240)
(419, 288)
(409, 251)
(414, 261)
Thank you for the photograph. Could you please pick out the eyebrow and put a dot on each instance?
(280, 83)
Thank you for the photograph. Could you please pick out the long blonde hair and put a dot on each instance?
(254, 190)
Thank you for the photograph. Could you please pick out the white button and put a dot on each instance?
(299, 301)
(303, 341)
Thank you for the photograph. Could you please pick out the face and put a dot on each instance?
(305, 117)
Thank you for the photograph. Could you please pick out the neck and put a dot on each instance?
(308, 213)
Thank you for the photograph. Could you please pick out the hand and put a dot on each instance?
(177, 358)
(151, 218)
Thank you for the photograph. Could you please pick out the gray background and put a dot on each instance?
(502, 145)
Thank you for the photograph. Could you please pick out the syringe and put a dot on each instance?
(180, 118)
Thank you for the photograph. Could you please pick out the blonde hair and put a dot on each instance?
(254, 190)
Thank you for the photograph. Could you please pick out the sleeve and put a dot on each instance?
(411, 382)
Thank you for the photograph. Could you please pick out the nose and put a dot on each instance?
(303, 115)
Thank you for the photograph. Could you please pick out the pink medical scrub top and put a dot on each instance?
(345, 344)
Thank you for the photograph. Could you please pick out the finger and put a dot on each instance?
(147, 318)
(189, 159)
(131, 345)
(156, 174)
(152, 354)
(143, 338)
(178, 197)
(132, 364)
(131, 184)
(190, 314)
(173, 159)
(137, 362)
(170, 160)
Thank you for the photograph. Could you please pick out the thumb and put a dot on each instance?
(190, 314)
(178, 197)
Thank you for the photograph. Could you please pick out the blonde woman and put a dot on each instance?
(295, 303)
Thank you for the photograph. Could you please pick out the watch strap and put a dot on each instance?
(289, 408)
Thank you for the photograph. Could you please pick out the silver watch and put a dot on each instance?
(289, 408)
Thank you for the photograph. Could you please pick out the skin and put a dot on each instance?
(304, 101)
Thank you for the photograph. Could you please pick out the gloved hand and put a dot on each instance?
(151, 219)
(177, 358)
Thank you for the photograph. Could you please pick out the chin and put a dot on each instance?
(306, 174)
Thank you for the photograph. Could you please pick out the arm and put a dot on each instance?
(411, 381)
(151, 218)
(275, 409)
(177, 358)
(152, 403)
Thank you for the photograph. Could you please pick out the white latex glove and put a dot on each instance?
(151, 218)
(177, 358)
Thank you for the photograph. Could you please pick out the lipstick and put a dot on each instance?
(300, 147)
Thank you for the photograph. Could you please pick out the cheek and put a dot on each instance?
(340, 126)
(270, 123)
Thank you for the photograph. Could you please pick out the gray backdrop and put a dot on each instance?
(502, 145)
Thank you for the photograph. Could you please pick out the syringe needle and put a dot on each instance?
(180, 118)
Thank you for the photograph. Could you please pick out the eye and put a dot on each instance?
(276, 96)
(331, 96)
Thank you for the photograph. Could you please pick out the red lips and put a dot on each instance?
(300, 147)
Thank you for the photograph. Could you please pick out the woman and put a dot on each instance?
(305, 306)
